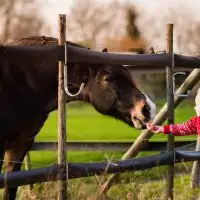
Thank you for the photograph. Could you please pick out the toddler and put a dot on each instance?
(190, 127)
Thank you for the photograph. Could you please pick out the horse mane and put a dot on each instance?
(34, 40)
(44, 40)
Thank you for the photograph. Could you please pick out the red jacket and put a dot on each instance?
(190, 127)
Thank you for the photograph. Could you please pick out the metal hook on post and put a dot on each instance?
(66, 78)
(161, 52)
(174, 83)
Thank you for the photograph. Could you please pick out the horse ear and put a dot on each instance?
(105, 50)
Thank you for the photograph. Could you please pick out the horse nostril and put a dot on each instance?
(146, 108)
(146, 111)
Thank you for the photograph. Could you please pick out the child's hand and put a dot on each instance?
(154, 129)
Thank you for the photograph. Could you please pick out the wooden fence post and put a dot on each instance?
(170, 108)
(27, 163)
(62, 183)
(143, 138)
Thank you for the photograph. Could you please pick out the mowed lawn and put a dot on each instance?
(84, 123)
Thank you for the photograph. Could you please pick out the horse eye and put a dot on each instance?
(108, 78)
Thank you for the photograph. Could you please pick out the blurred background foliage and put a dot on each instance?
(121, 26)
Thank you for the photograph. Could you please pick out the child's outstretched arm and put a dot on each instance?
(155, 129)
(187, 128)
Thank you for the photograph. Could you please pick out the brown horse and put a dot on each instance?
(28, 90)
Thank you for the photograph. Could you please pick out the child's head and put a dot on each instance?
(197, 102)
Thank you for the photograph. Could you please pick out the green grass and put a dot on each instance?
(141, 185)
(87, 124)
(84, 123)
(39, 159)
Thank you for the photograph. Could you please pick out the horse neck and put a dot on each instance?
(77, 74)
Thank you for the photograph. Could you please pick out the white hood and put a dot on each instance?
(197, 102)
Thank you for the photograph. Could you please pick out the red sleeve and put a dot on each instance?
(187, 128)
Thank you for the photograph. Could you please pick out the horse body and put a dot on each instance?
(28, 90)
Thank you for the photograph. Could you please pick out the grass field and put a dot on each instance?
(84, 123)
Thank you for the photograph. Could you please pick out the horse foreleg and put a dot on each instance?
(2, 152)
(12, 162)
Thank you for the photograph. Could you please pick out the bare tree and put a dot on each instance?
(21, 18)
(91, 20)
(186, 28)
(186, 39)
(132, 39)
(131, 26)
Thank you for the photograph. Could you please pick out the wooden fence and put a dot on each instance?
(77, 170)
(74, 54)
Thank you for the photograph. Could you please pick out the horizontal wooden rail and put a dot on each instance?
(110, 146)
